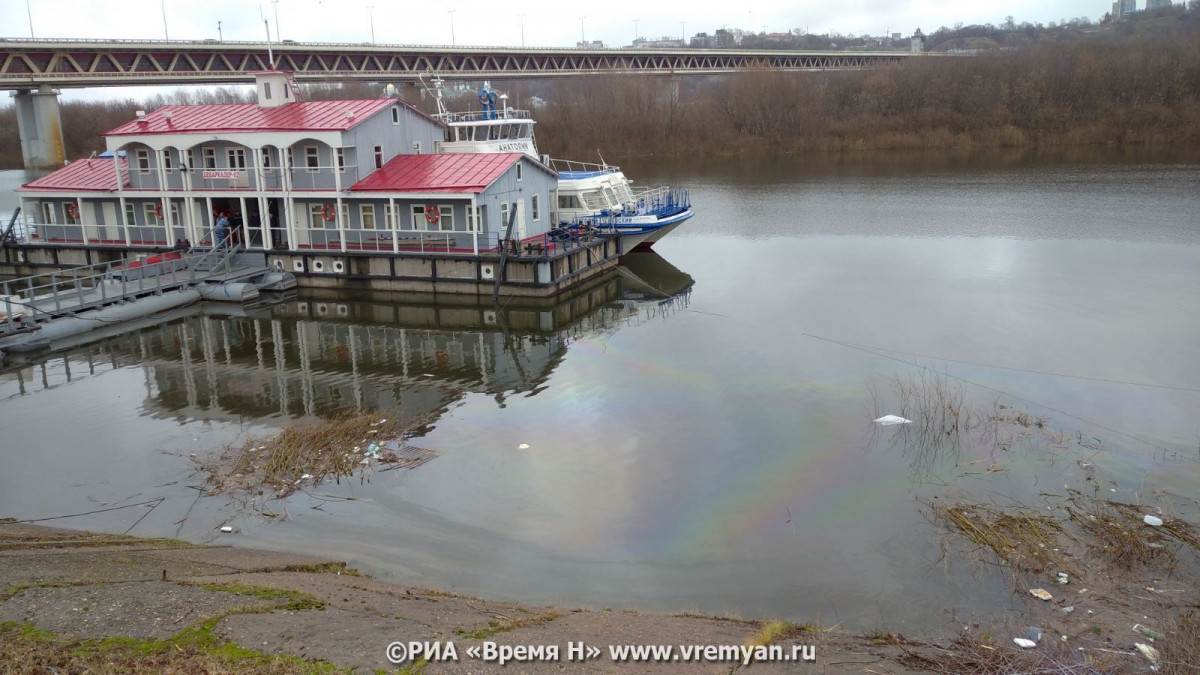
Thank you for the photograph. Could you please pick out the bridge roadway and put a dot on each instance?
(27, 64)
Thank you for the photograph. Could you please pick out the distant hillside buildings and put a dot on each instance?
(1123, 8)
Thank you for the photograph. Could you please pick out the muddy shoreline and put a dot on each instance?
(78, 601)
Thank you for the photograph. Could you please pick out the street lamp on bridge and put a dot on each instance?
(452, 40)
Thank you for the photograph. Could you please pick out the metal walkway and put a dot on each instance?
(29, 302)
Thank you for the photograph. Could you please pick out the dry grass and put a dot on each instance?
(1117, 534)
(332, 450)
(980, 654)
(771, 632)
(1179, 651)
(1024, 541)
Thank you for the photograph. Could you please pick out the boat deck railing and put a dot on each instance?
(27, 301)
(561, 165)
(484, 116)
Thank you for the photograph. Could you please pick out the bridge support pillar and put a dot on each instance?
(40, 127)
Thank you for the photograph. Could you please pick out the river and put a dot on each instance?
(695, 434)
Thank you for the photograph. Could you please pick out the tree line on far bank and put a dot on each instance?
(1142, 89)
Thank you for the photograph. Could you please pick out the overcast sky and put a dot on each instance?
(546, 22)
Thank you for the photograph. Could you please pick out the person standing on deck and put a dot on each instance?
(220, 230)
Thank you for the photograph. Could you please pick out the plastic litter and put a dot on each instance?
(1146, 630)
(1068, 609)
(1026, 644)
(1063, 578)
(1153, 521)
(1034, 633)
(1041, 594)
(523, 446)
(226, 529)
(1147, 651)
(373, 449)
(889, 420)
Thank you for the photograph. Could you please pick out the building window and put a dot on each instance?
(366, 216)
(395, 114)
(149, 213)
(267, 90)
(130, 212)
(341, 159)
(67, 218)
(266, 160)
(418, 217)
(392, 216)
(287, 91)
(535, 210)
(345, 221)
(473, 218)
(519, 176)
(316, 218)
(48, 213)
(174, 214)
(191, 159)
(504, 216)
(311, 159)
(167, 161)
(291, 160)
(379, 157)
(237, 158)
(210, 158)
(446, 216)
(143, 160)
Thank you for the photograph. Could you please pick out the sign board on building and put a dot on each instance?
(231, 175)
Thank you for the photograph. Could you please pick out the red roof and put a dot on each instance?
(295, 116)
(82, 174)
(468, 172)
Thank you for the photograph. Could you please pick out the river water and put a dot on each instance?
(699, 425)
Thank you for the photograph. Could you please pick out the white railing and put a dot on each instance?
(482, 116)
(572, 165)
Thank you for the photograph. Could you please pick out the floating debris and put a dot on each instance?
(1147, 651)
(226, 529)
(889, 420)
(1024, 643)
(1041, 594)
(1152, 521)
(523, 446)
(1063, 578)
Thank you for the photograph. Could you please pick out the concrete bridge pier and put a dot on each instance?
(40, 128)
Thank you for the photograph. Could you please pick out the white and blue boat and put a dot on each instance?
(589, 195)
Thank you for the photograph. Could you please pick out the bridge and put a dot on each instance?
(29, 64)
(34, 68)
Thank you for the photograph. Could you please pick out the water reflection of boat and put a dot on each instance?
(314, 355)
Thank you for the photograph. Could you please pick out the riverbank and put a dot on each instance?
(78, 601)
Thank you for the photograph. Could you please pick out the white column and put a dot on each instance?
(245, 226)
(209, 214)
(264, 221)
(393, 226)
(474, 215)
(337, 187)
(82, 226)
(121, 194)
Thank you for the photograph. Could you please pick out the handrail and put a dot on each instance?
(573, 165)
(484, 116)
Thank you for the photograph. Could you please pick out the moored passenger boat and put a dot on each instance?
(589, 195)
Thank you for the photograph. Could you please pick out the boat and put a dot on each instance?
(590, 195)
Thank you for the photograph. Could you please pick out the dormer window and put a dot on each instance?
(267, 89)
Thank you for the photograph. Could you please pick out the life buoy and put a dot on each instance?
(73, 211)
(432, 215)
(158, 211)
(328, 213)
(484, 98)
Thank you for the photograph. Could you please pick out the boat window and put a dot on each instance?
(524, 128)
(569, 202)
(612, 198)
(494, 132)
(594, 200)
